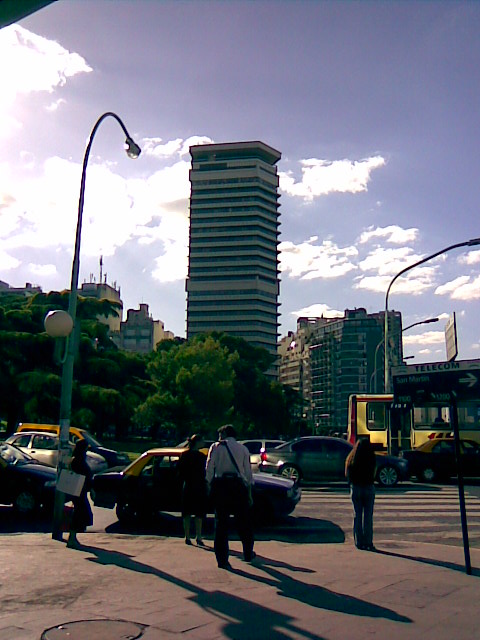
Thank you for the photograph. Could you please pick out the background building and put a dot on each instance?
(233, 282)
(328, 359)
(28, 290)
(140, 333)
(103, 291)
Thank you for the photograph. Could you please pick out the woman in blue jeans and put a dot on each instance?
(360, 468)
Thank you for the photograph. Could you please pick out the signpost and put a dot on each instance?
(442, 383)
(451, 342)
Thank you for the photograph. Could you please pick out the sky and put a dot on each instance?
(374, 107)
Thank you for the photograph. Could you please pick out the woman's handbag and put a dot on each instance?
(70, 483)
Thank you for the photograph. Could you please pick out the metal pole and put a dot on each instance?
(67, 370)
(461, 488)
(468, 243)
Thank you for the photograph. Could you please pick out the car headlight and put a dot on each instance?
(50, 484)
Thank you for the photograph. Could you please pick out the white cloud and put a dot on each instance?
(427, 337)
(154, 147)
(7, 262)
(390, 261)
(34, 64)
(321, 177)
(173, 264)
(42, 270)
(462, 288)
(53, 106)
(116, 210)
(392, 233)
(414, 284)
(318, 310)
(472, 257)
(309, 261)
(450, 287)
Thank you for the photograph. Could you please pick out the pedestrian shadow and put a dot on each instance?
(289, 529)
(432, 561)
(249, 619)
(319, 597)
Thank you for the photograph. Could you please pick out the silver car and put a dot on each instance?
(44, 448)
(256, 446)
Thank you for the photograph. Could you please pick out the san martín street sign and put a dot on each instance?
(437, 382)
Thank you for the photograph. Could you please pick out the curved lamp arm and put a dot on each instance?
(468, 243)
(133, 151)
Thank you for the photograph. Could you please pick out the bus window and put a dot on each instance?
(376, 412)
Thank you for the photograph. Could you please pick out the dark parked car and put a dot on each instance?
(151, 485)
(435, 459)
(322, 458)
(25, 483)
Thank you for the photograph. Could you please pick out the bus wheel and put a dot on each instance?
(387, 476)
(428, 474)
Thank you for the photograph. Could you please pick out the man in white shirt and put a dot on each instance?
(229, 477)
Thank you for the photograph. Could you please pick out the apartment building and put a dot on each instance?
(233, 276)
(328, 359)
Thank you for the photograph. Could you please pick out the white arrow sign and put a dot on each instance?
(469, 380)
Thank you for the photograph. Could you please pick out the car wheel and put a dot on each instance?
(291, 472)
(387, 476)
(25, 502)
(126, 512)
(428, 474)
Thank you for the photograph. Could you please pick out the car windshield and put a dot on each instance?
(90, 439)
(13, 455)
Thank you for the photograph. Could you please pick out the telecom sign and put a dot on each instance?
(437, 382)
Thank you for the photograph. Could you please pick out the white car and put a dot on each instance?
(44, 448)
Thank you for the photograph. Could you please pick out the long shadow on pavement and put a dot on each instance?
(289, 529)
(436, 563)
(248, 618)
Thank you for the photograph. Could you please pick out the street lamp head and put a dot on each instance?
(473, 242)
(58, 324)
(132, 148)
(429, 320)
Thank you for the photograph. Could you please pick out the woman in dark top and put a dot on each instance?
(360, 468)
(82, 512)
(191, 469)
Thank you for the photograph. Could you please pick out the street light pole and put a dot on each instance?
(467, 243)
(133, 151)
(414, 324)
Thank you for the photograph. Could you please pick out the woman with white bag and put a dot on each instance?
(82, 512)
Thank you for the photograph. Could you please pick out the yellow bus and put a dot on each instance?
(395, 428)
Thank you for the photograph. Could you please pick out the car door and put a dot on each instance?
(44, 448)
(166, 484)
(22, 441)
(336, 453)
(310, 458)
(442, 458)
(156, 487)
(470, 459)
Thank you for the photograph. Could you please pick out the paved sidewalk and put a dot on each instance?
(154, 588)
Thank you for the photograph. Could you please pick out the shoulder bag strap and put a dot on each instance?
(233, 459)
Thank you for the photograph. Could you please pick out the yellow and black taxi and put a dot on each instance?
(435, 459)
(150, 485)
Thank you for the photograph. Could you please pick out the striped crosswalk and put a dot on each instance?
(404, 514)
